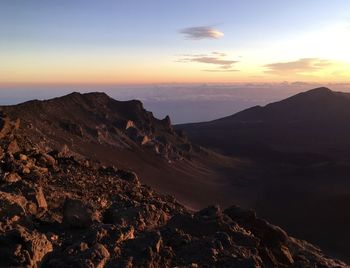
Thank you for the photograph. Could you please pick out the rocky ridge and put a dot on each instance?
(96, 118)
(60, 210)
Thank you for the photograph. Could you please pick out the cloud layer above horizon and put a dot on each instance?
(216, 59)
(301, 66)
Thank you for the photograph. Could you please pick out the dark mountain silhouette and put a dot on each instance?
(316, 105)
(315, 122)
(301, 146)
(60, 208)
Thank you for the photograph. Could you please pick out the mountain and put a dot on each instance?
(63, 208)
(301, 147)
(314, 122)
(124, 134)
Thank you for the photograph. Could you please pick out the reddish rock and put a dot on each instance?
(40, 198)
(21, 248)
(13, 147)
(75, 214)
(11, 177)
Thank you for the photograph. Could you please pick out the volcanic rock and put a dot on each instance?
(12, 210)
(11, 177)
(40, 198)
(21, 248)
(75, 214)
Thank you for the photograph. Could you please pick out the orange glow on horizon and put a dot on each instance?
(100, 70)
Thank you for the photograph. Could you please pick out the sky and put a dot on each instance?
(120, 42)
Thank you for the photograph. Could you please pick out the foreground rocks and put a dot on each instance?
(60, 211)
(22, 247)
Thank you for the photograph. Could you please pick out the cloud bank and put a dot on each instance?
(301, 66)
(202, 32)
(216, 59)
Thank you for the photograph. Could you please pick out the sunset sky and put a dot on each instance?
(182, 41)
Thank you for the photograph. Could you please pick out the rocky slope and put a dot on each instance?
(59, 209)
(124, 134)
(97, 118)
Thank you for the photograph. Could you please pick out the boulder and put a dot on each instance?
(80, 255)
(129, 124)
(203, 223)
(145, 140)
(13, 147)
(21, 248)
(146, 251)
(13, 210)
(25, 170)
(269, 234)
(64, 152)
(141, 217)
(11, 177)
(128, 176)
(48, 160)
(23, 157)
(40, 198)
(134, 134)
(75, 214)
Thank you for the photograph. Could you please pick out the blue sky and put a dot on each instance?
(122, 22)
(132, 41)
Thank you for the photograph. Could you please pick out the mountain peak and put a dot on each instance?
(94, 93)
(100, 98)
(319, 90)
(89, 95)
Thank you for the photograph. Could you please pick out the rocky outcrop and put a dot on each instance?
(13, 210)
(80, 255)
(75, 214)
(94, 118)
(20, 247)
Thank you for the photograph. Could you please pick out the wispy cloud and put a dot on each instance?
(219, 54)
(216, 59)
(202, 32)
(301, 66)
(218, 70)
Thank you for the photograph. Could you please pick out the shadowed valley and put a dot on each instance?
(302, 146)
